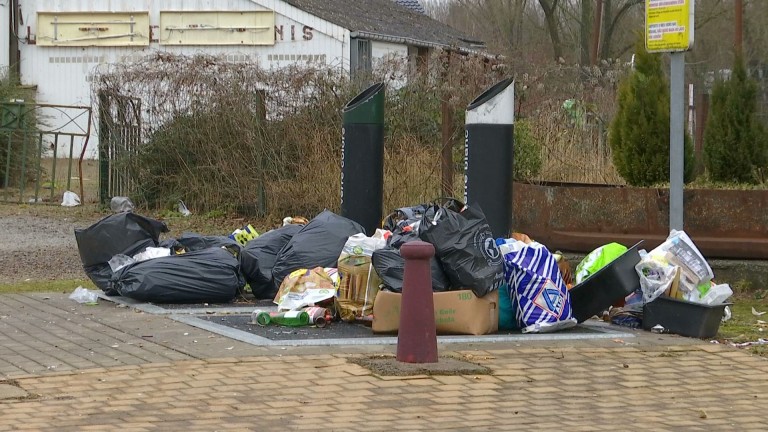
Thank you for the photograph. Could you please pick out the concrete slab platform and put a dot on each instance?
(9, 391)
(198, 317)
(595, 330)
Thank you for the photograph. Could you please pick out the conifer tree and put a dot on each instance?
(735, 143)
(639, 134)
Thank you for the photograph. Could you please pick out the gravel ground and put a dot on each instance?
(35, 248)
(39, 243)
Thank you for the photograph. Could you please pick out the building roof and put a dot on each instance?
(414, 5)
(388, 21)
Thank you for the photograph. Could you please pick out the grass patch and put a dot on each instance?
(63, 286)
(744, 326)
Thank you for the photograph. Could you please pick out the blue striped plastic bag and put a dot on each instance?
(542, 301)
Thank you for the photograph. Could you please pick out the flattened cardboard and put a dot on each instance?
(456, 312)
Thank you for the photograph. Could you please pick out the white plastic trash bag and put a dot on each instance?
(679, 250)
(121, 204)
(183, 209)
(656, 277)
(360, 244)
(70, 199)
(119, 261)
(152, 252)
(84, 296)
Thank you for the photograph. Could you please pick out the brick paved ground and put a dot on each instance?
(109, 377)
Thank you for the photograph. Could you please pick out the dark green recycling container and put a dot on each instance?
(362, 158)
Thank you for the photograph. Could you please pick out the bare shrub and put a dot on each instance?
(237, 137)
(234, 136)
(573, 141)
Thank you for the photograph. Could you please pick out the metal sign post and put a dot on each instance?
(669, 28)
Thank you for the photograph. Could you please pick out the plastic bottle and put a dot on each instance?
(289, 318)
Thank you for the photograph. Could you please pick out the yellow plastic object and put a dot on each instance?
(245, 234)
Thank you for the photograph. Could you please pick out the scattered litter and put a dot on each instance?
(657, 329)
(121, 204)
(760, 322)
(295, 220)
(115, 346)
(760, 341)
(756, 313)
(230, 348)
(244, 235)
(70, 199)
(726, 314)
(183, 209)
(35, 200)
(84, 295)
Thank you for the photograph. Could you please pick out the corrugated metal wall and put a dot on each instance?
(61, 73)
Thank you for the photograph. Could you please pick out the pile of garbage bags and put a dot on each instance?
(328, 268)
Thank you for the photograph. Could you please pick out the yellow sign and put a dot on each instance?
(668, 25)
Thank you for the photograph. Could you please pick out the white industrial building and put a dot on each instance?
(59, 42)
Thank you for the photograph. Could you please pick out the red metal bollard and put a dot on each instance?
(417, 336)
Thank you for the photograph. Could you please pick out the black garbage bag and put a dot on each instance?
(465, 247)
(390, 265)
(404, 215)
(205, 276)
(122, 233)
(408, 215)
(258, 257)
(318, 244)
(191, 242)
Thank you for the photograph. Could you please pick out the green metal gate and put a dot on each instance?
(35, 154)
(119, 139)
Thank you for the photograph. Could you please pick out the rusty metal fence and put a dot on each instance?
(40, 147)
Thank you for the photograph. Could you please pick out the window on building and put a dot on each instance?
(360, 59)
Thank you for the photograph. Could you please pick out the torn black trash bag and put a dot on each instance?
(465, 247)
(206, 276)
(318, 244)
(191, 242)
(122, 233)
(259, 255)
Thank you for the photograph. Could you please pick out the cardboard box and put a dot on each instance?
(456, 312)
